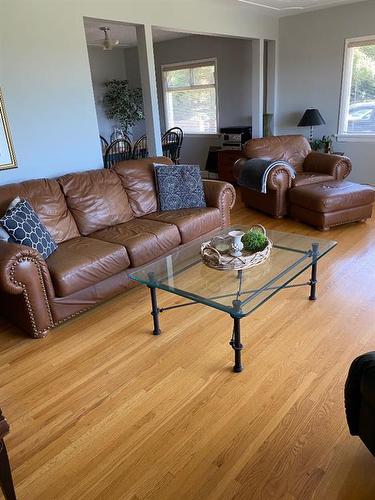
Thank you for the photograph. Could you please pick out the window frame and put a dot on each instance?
(347, 72)
(191, 64)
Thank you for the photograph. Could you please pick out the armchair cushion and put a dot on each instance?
(310, 178)
(337, 166)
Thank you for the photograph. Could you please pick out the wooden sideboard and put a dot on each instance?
(222, 161)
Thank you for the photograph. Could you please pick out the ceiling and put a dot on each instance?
(290, 7)
(123, 32)
(126, 33)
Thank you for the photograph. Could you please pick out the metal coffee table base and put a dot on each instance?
(235, 341)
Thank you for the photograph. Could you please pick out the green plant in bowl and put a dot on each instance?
(254, 241)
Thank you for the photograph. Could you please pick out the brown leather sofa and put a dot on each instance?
(311, 167)
(106, 223)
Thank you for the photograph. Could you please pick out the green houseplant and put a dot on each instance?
(324, 144)
(123, 103)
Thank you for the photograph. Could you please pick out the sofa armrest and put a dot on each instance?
(363, 366)
(337, 166)
(221, 195)
(279, 177)
(23, 271)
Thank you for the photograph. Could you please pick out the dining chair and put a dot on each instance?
(180, 133)
(170, 145)
(104, 144)
(140, 149)
(118, 150)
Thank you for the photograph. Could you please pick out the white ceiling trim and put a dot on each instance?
(255, 4)
(290, 7)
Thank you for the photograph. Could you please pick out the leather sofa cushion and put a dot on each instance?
(332, 196)
(82, 262)
(144, 240)
(47, 199)
(291, 148)
(96, 199)
(191, 222)
(138, 180)
(305, 178)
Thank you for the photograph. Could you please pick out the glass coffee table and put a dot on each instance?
(237, 293)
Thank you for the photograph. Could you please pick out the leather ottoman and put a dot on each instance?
(331, 203)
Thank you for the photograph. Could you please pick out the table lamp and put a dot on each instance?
(311, 118)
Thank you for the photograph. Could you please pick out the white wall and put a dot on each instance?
(45, 74)
(310, 69)
(234, 83)
(105, 65)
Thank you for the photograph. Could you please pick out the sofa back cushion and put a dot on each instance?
(290, 148)
(96, 199)
(138, 180)
(47, 199)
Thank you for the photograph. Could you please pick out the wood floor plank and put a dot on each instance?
(103, 409)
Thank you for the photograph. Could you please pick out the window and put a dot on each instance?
(357, 113)
(190, 96)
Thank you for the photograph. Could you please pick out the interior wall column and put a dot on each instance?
(257, 101)
(149, 88)
(270, 91)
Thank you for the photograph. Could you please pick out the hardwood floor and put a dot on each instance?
(102, 409)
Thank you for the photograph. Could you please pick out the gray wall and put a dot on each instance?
(105, 65)
(310, 70)
(234, 82)
(45, 73)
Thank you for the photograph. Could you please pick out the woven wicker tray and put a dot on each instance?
(223, 261)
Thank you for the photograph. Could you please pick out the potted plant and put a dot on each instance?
(123, 103)
(324, 144)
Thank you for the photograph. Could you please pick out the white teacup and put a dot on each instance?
(237, 245)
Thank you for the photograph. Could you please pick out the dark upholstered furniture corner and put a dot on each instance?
(311, 167)
(6, 481)
(360, 399)
(106, 222)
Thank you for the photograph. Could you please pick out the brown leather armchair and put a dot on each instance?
(311, 167)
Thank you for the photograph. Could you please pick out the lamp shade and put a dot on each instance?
(310, 118)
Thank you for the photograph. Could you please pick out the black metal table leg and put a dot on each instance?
(155, 311)
(237, 346)
(314, 270)
(235, 341)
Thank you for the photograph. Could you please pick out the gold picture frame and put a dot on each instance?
(7, 155)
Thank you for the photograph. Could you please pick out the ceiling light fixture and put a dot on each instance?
(269, 6)
(107, 43)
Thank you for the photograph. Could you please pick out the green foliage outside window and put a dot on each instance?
(363, 77)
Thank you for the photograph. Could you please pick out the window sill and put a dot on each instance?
(202, 135)
(355, 137)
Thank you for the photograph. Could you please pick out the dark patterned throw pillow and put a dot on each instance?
(4, 236)
(25, 227)
(179, 186)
